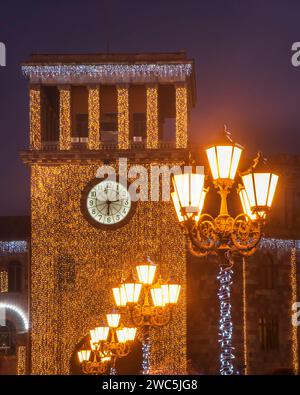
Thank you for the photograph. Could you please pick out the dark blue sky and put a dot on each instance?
(242, 51)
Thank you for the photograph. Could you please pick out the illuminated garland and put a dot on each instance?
(35, 117)
(245, 317)
(181, 116)
(110, 73)
(18, 311)
(288, 246)
(21, 360)
(226, 326)
(66, 305)
(94, 118)
(152, 116)
(3, 281)
(294, 299)
(146, 357)
(65, 119)
(272, 243)
(123, 117)
(13, 247)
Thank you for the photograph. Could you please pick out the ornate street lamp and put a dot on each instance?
(146, 303)
(225, 235)
(108, 343)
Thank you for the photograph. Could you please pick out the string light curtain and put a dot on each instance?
(3, 281)
(123, 117)
(181, 116)
(35, 117)
(64, 118)
(21, 360)
(94, 117)
(64, 307)
(294, 299)
(245, 316)
(152, 116)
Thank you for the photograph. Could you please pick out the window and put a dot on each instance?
(81, 125)
(109, 122)
(139, 125)
(109, 128)
(15, 277)
(268, 333)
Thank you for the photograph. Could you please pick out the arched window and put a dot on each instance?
(15, 277)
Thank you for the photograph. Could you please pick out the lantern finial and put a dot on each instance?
(227, 133)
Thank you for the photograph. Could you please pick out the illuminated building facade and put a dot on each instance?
(86, 111)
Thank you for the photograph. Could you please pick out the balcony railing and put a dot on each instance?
(54, 145)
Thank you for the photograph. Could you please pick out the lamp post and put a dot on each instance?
(107, 344)
(146, 303)
(225, 235)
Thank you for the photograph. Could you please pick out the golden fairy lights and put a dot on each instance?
(35, 117)
(181, 116)
(294, 299)
(3, 281)
(65, 118)
(123, 117)
(94, 117)
(152, 116)
(245, 317)
(94, 140)
(21, 360)
(74, 266)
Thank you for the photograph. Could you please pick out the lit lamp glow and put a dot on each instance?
(93, 335)
(189, 215)
(260, 186)
(171, 292)
(119, 296)
(157, 296)
(113, 320)
(245, 203)
(93, 347)
(189, 187)
(130, 333)
(121, 335)
(84, 355)
(105, 359)
(224, 159)
(177, 206)
(132, 290)
(102, 333)
(189, 195)
(146, 273)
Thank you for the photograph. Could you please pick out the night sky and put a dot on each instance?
(242, 51)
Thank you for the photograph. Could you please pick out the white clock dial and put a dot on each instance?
(108, 202)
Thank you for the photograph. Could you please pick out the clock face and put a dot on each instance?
(107, 203)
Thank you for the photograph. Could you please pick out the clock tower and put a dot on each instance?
(87, 111)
